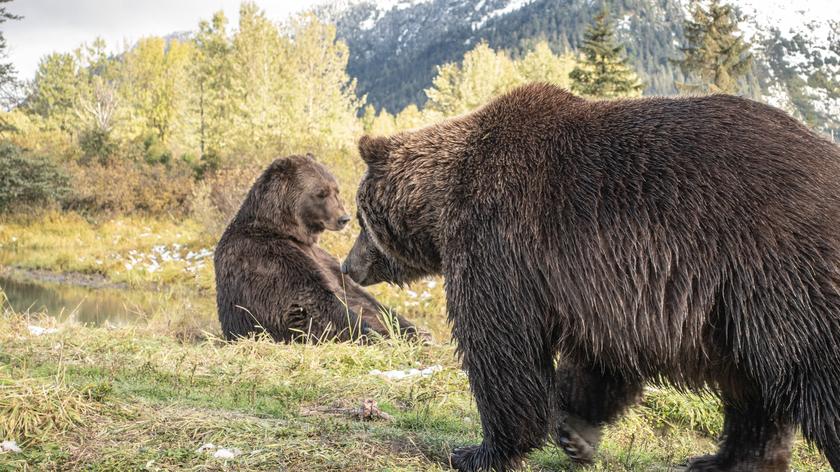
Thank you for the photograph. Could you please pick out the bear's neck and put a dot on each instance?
(297, 233)
(303, 235)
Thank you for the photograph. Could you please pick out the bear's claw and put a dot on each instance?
(578, 449)
(480, 458)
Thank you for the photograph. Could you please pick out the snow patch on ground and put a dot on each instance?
(218, 452)
(39, 331)
(9, 446)
(402, 374)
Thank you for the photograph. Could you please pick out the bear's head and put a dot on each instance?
(295, 196)
(397, 220)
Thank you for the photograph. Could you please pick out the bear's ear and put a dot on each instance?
(282, 165)
(374, 149)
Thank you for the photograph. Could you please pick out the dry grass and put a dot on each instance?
(133, 398)
(32, 409)
(148, 396)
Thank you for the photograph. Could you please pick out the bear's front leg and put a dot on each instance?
(515, 413)
(506, 350)
(752, 440)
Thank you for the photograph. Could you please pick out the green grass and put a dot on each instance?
(131, 398)
(148, 396)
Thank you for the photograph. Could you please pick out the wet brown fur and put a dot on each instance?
(694, 241)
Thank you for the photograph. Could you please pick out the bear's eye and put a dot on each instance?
(323, 194)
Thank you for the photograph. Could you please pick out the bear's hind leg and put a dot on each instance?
(588, 399)
(752, 440)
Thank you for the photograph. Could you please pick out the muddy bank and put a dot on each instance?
(76, 279)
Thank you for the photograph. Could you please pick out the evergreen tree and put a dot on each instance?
(716, 53)
(55, 90)
(604, 72)
(8, 79)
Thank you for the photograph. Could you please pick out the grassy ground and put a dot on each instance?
(151, 395)
(131, 398)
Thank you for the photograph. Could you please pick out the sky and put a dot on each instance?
(62, 25)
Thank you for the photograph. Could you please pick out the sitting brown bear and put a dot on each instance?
(270, 273)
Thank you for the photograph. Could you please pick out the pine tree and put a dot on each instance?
(8, 79)
(715, 53)
(54, 91)
(603, 71)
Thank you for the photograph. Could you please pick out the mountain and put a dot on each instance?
(798, 51)
(395, 45)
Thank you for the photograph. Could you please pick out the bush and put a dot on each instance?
(155, 151)
(217, 198)
(125, 187)
(28, 182)
(97, 146)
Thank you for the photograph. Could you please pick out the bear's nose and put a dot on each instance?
(344, 268)
(343, 220)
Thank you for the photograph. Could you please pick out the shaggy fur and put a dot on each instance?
(694, 241)
(270, 273)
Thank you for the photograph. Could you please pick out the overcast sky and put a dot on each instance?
(62, 25)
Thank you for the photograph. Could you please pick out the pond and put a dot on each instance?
(88, 305)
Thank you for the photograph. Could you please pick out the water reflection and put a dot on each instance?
(84, 305)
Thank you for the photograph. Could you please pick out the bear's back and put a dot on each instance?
(252, 266)
(717, 154)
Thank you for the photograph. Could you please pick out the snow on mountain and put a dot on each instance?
(395, 45)
(512, 6)
(800, 43)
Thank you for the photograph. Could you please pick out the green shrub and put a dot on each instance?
(156, 151)
(28, 182)
(97, 146)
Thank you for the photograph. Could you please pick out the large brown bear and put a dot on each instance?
(271, 274)
(688, 240)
